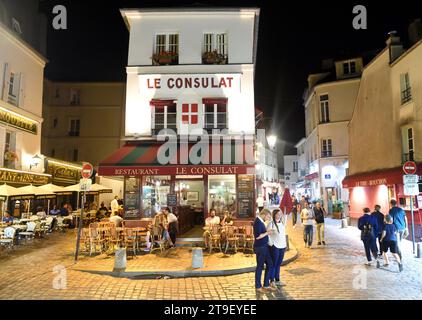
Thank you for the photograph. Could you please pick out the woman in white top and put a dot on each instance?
(277, 242)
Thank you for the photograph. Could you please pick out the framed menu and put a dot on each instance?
(132, 201)
(245, 199)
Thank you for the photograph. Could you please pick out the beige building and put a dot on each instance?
(329, 102)
(386, 127)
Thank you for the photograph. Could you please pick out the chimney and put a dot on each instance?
(415, 31)
(395, 47)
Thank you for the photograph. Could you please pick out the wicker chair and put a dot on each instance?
(248, 238)
(96, 241)
(130, 239)
(214, 240)
(85, 242)
(157, 241)
(232, 238)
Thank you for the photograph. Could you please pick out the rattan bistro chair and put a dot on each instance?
(130, 239)
(231, 237)
(214, 240)
(248, 238)
(157, 241)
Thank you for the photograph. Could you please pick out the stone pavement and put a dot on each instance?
(335, 271)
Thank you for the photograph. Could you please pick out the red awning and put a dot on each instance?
(312, 176)
(161, 103)
(214, 100)
(378, 177)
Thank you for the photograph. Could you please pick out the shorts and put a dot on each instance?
(392, 245)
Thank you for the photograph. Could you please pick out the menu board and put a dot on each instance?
(172, 200)
(245, 189)
(132, 185)
(132, 199)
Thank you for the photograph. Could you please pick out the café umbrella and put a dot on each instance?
(7, 191)
(39, 193)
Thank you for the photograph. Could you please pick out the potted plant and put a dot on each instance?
(213, 57)
(164, 57)
(338, 209)
(10, 157)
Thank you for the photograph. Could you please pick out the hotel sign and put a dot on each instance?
(21, 177)
(18, 122)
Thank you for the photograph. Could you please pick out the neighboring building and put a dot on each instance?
(386, 127)
(302, 186)
(329, 102)
(291, 168)
(189, 70)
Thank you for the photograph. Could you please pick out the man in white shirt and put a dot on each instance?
(114, 205)
(307, 215)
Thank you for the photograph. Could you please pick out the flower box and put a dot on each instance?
(213, 57)
(164, 58)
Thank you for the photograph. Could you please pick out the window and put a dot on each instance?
(10, 155)
(53, 153)
(75, 99)
(324, 105)
(75, 155)
(75, 125)
(406, 94)
(410, 144)
(295, 167)
(349, 67)
(190, 113)
(13, 95)
(166, 49)
(163, 115)
(215, 114)
(215, 48)
(327, 149)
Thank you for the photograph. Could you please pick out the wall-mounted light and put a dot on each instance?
(36, 160)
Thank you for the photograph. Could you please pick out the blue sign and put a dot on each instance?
(328, 176)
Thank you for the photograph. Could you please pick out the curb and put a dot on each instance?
(185, 274)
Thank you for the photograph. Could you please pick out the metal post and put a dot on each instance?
(80, 226)
(419, 250)
(413, 223)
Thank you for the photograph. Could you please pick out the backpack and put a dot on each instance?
(367, 229)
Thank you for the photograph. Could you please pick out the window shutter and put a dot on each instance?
(21, 91)
(402, 82)
(18, 150)
(5, 82)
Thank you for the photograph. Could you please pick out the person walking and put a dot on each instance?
(295, 210)
(307, 216)
(320, 214)
(277, 242)
(262, 250)
(389, 241)
(400, 222)
(369, 228)
(380, 221)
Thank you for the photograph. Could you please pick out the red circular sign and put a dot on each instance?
(87, 170)
(409, 167)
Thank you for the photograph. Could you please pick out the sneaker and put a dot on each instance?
(279, 283)
(273, 285)
(269, 288)
(319, 243)
(369, 263)
(323, 242)
(400, 267)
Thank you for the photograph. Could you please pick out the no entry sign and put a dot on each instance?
(409, 167)
(87, 170)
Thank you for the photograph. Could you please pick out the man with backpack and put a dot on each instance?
(369, 229)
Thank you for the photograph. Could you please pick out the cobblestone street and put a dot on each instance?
(335, 271)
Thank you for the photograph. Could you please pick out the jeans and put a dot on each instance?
(308, 234)
(294, 218)
(370, 245)
(277, 256)
(173, 232)
(320, 228)
(263, 257)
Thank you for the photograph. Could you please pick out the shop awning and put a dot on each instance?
(134, 159)
(378, 177)
(312, 176)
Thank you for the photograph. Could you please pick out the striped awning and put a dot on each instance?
(158, 158)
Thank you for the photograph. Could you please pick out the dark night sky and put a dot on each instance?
(293, 39)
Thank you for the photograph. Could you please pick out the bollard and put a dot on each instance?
(120, 260)
(287, 243)
(419, 250)
(197, 258)
(344, 223)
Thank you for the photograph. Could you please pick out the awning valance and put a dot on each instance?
(214, 100)
(312, 176)
(178, 159)
(161, 103)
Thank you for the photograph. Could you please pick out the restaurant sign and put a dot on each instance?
(21, 177)
(176, 170)
(18, 122)
(62, 172)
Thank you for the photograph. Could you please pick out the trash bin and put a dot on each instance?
(197, 258)
(120, 260)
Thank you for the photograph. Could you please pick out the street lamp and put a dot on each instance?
(272, 140)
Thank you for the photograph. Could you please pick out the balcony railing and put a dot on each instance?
(406, 95)
(12, 100)
(408, 157)
(73, 133)
(326, 154)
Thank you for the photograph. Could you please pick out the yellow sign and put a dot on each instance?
(64, 173)
(23, 177)
(18, 122)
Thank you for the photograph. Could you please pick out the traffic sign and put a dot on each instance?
(87, 170)
(409, 167)
(411, 189)
(410, 178)
(85, 185)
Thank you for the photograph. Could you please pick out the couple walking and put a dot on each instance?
(269, 247)
(309, 217)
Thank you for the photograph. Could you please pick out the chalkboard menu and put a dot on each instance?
(172, 200)
(245, 192)
(132, 199)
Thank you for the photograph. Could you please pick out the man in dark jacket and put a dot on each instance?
(319, 213)
(369, 228)
(380, 221)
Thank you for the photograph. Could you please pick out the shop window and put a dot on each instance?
(222, 193)
(154, 194)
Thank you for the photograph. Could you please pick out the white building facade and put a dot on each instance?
(291, 168)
